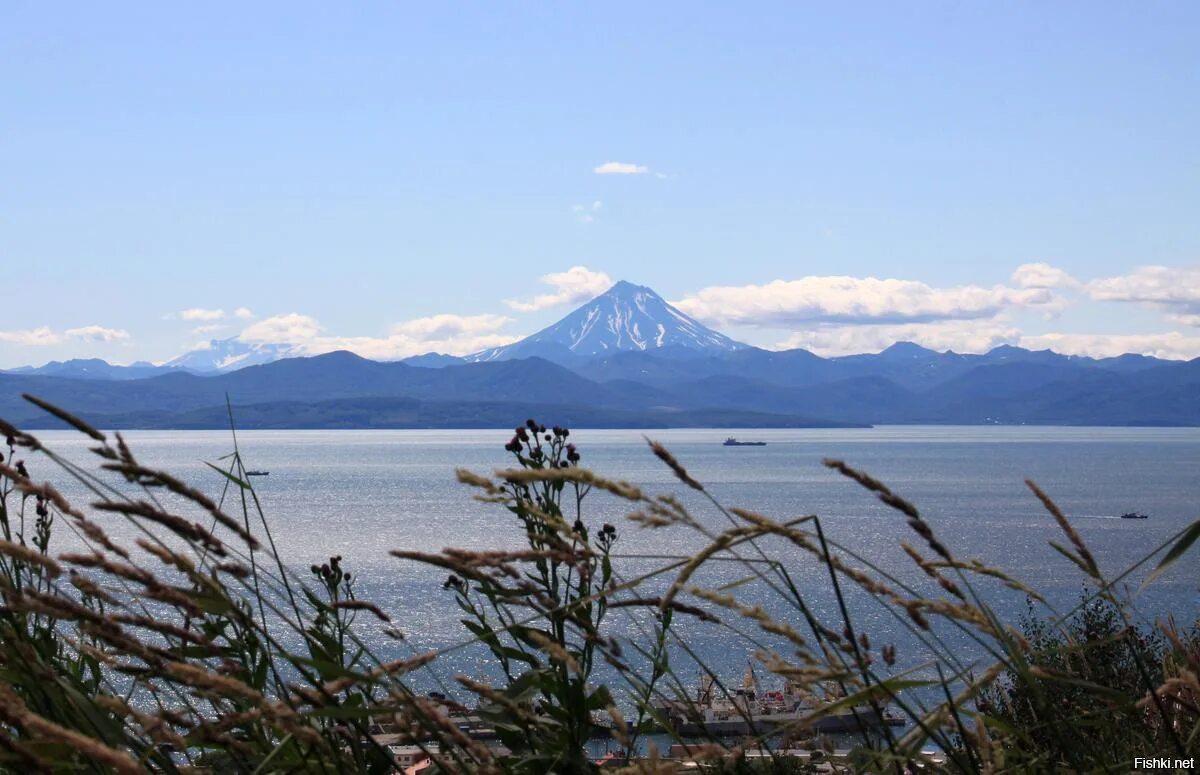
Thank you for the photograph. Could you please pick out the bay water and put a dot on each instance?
(360, 494)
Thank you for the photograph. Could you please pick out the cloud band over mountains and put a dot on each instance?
(848, 300)
(843, 315)
(44, 336)
(831, 315)
(444, 333)
(1175, 292)
(828, 314)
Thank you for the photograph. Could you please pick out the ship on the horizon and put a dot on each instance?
(732, 442)
(746, 709)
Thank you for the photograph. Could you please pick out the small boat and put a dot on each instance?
(258, 473)
(732, 442)
(1134, 515)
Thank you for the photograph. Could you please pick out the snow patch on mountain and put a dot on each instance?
(221, 355)
(625, 317)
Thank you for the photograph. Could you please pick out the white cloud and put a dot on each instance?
(42, 336)
(864, 300)
(963, 336)
(396, 346)
(453, 334)
(587, 213)
(1168, 344)
(843, 315)
(199, 313)
(620, 168)
(292, 328)
(574, 285)
(957, 335)
(1042, 275)
(97, 334)
(243, 312)
(1174, 291)
(440, 327)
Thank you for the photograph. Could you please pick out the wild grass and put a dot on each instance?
(196, 647)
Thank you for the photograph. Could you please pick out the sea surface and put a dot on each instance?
(360, 494)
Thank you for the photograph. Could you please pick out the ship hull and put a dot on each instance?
(768, 723)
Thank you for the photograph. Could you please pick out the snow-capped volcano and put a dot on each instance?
(230, 354)
(625, 317)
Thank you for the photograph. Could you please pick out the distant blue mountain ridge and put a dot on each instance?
(625, 359)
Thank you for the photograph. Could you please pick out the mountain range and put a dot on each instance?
(625, 359)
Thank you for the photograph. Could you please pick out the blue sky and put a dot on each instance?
(386, 176)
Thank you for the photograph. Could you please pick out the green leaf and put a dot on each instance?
(735, 584)
(600, 699)
(210, 603)
(1065, 552)
(519, 655)
(1184, 543)
(228, 476)
(326, 669)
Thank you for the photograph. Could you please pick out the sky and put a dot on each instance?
(397, 178)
